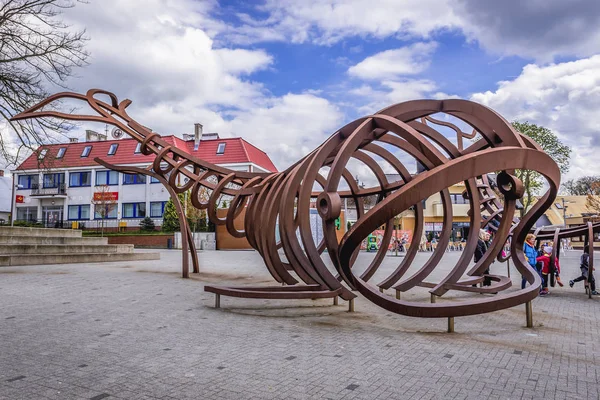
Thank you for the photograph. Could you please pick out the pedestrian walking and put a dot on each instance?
(482, 246)
(584, 265)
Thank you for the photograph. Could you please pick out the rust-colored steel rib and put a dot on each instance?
(187, 238)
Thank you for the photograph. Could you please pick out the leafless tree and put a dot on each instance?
(37, 51)
(104, 203)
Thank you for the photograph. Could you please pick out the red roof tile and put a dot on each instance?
(237, 150)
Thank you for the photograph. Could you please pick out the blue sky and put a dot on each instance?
(287, 74)
(458, 67)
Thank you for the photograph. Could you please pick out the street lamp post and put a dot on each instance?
(564, 212)
(12, 203)
(13, 200)
(396, 227)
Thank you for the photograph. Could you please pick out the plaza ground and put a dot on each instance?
(136, 330)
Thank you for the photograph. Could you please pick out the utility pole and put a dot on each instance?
(12, 202)
(396, 227)
(564, 212)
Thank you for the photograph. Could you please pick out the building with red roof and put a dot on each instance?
(58, 182)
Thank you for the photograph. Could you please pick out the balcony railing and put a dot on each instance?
(39, 190)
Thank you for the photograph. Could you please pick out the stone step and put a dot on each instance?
(71, 249)
(16, 239)
(38, 259)
(44, 232)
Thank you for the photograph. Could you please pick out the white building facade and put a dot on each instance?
(61, 184)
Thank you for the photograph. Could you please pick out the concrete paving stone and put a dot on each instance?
(61, 311)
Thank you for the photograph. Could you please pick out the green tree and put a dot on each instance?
(196, 217)
(170, 218)
(584, 186)
(593, 198)
(147, 224)
(551, 144)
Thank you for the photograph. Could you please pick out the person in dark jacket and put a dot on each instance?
(585, 267)
(482, 246)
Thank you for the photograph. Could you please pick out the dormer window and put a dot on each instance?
(42, 154)
(61, 152)
(113, 149)
(86, 151)
(221, 148)
(138, 149)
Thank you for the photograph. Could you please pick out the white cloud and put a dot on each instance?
(160, 52)
(289, 127)
(391, 64)
(562, 97)
(386, 72)
(327, 22)
(241, 61)
(371, 99)
(163, 57)
(536, 29)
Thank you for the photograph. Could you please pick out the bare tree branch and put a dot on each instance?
(36, 50)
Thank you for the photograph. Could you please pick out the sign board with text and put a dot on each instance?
(106, 196)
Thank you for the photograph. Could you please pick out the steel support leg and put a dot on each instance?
(529, 314)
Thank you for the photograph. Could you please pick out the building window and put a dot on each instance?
(28, 181)
(157, 209)
(42, 154)
(105, 211)
(134, 210)
(107, 178)
(79, 212)
(458, 199)
(138, 149)
(221, 148)
(61, 152)
(166, 176)
(86, 151)
(113, 149)
(26, 213)
(134, 179)
(77, 179)
(54, 180)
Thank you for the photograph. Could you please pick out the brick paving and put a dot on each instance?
(135, 330)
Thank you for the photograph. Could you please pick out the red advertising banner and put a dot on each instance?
(106, 196)
(20, 198)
